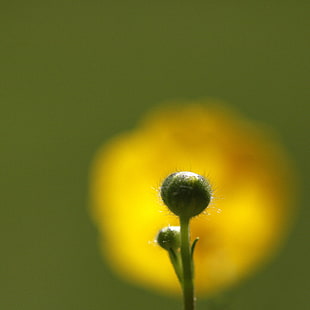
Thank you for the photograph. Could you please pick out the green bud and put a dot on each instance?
(169, 238)
(186, 194)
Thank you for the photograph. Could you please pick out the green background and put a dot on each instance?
(74, 73)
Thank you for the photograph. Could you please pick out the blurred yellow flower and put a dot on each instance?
(252, 185)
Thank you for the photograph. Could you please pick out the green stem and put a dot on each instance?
(188, 284)
(176, 263)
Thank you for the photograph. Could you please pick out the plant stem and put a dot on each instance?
(176, 263)
(188, 285)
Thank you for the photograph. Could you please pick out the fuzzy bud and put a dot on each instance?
(169, 238)
(186, 194)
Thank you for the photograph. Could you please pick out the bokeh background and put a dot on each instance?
(74, 73)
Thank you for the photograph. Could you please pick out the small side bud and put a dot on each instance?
(169, 238)
(186, 194)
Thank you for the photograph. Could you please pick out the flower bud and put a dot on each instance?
(186, 194)
(169, 238)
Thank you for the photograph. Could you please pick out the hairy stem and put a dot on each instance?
(188, 284)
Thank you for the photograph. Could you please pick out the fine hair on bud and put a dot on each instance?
(185, 193)
(169, 238)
